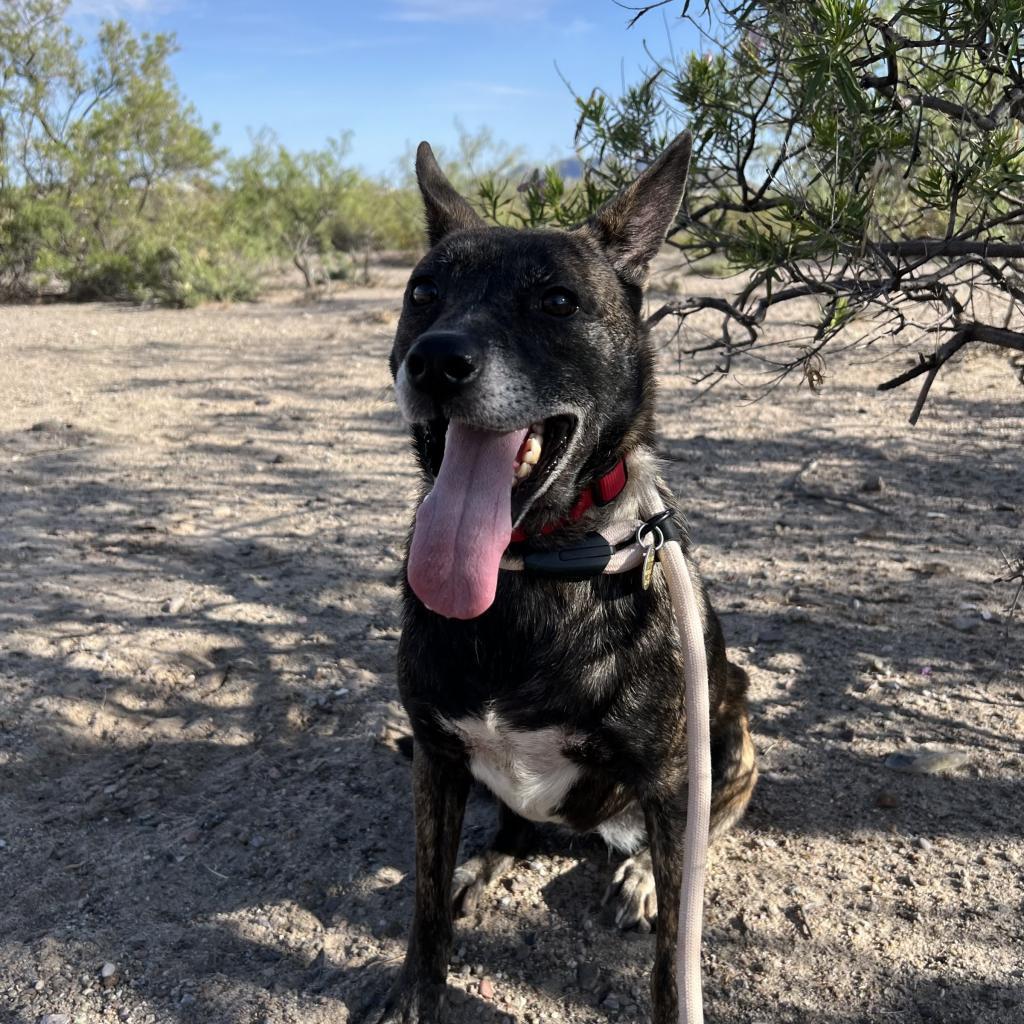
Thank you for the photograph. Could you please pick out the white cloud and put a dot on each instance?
(470, 10)
(579, 27)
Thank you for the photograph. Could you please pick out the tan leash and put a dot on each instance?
(650, 542)
(698, 751)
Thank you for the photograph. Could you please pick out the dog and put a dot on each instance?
(523, 368)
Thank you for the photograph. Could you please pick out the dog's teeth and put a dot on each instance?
(523, 471)
(531, 453)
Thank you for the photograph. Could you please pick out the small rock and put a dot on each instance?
(887, 799)
(108, 975)
(924, 844)
(739, 924)
(55, 1018)
(964, 623)
(925, 761)
(846, 733)
(486, 988)
(872, 484)
(174, 605)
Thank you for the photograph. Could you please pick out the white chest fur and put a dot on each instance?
(528, 771)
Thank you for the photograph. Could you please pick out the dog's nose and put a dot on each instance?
(442, 364)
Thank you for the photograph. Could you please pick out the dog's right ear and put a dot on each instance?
(446, 210)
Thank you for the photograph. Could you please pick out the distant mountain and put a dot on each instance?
(571, 169)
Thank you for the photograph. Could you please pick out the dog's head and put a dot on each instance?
(521, 362)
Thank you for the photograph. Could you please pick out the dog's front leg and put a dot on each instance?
(665, 818)
(440, 788)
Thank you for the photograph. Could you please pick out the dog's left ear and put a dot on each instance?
(632, 225)
(446, 210)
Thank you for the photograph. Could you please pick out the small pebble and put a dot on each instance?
(925, 761)
(486, 988)
(886, 799)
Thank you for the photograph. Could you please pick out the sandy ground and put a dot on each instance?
(200, 521)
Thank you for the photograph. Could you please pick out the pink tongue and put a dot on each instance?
(463, 524)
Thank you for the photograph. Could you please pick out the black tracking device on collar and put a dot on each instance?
(580, 561)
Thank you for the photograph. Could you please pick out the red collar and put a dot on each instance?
(603, 491)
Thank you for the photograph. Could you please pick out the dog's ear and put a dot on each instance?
(631, 226)
(446, 210)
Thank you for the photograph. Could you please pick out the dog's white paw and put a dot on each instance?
(632, 894)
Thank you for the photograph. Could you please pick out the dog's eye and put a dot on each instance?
(559, 302)
(423, 293)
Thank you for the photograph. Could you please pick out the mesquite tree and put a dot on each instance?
(868, 156)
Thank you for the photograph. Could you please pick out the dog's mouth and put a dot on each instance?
(485, 482)
(536, 462)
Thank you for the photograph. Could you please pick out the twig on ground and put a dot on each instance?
(796, 486)
(1014, 574)
(831, 498)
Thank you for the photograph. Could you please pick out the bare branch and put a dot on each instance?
(931, 248)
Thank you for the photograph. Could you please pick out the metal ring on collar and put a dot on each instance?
(652, 527)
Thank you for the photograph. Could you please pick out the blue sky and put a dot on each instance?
(395, 71)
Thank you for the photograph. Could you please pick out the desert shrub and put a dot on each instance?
(867, 157)
(291, 200)
(106, 173)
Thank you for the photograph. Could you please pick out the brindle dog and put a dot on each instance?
(564, 696)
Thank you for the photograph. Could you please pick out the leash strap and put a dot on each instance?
(698, 806)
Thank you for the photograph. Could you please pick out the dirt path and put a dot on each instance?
(200, 521)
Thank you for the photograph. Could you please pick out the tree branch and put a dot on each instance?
(931, 365)
(932, 247)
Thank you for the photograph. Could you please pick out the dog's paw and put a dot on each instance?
(472, 878)
(632, 896)
(404, 1004)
